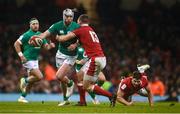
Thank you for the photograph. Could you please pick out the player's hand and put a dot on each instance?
(58, 38)
(23, 59)
(72, 47)
(130, 103)
(52, 45)
(78, 62)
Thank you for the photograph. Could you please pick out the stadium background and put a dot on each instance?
(131, 32)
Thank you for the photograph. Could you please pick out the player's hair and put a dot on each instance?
(34, 18)
(136, 75)
(84, 18)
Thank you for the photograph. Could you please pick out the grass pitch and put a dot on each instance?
(51, 107)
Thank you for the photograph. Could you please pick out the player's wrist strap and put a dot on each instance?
(20, 54)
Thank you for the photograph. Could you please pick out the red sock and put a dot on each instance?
(100, 91)
(81, 94)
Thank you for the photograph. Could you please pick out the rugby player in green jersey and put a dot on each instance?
(66, 54)
(29, 58)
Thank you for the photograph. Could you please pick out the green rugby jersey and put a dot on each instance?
(29, 51)
(60, 28)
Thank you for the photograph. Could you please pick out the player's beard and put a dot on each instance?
(35, 29)
(68, 22)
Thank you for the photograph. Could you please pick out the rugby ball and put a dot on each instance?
(36, 41)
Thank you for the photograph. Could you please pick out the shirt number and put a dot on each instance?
(94, 36)
(123, 86)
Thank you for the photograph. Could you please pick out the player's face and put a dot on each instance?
(136, 82)
(34, 26)
(68, 19)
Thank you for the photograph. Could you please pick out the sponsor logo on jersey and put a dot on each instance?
(61, 32)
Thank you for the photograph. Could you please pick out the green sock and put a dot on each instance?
(92, 94)
(100, 83)
(70, 83)
(26, 80)
(65, 98)
(24, 94)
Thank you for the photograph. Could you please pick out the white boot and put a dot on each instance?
(64, 103)
(95, 101)
(142, 68)
(22, 100)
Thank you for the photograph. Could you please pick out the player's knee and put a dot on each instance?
(87, 87)
(59, 77)
(39, 77)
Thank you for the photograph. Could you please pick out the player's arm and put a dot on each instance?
(17, 46)
(120, 98)
(67, 37)
(150, 96)
(45, 34)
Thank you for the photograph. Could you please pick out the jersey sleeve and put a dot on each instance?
(23, 38)
(53, 29)
(77, 32)
(123, 86)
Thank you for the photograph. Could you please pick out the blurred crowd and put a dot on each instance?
(149, 35)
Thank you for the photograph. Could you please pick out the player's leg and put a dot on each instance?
(65, 67)
(142, 69)
(100, 82)
(59, 61)
(34, 75)
(81, 90)
(65, 82)
(61, 73)
(92, 69)
(101, 79)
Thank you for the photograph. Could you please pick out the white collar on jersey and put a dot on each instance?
(84, 25)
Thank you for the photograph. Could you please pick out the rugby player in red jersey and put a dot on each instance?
(96, 59)
(132, 85)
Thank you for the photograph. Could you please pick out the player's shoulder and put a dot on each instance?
(58, 23)
(74, 24)
(144, 78)
(26, 34)
(38, 32)
(128, 78)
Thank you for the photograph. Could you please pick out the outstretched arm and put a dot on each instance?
(120, 98)
(64, 38)
(45, 34)
(150, 96)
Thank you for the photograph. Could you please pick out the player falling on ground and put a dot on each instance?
(96, 59)
(66, 53)
(29, 58)
(81, 60)
(134, 84)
